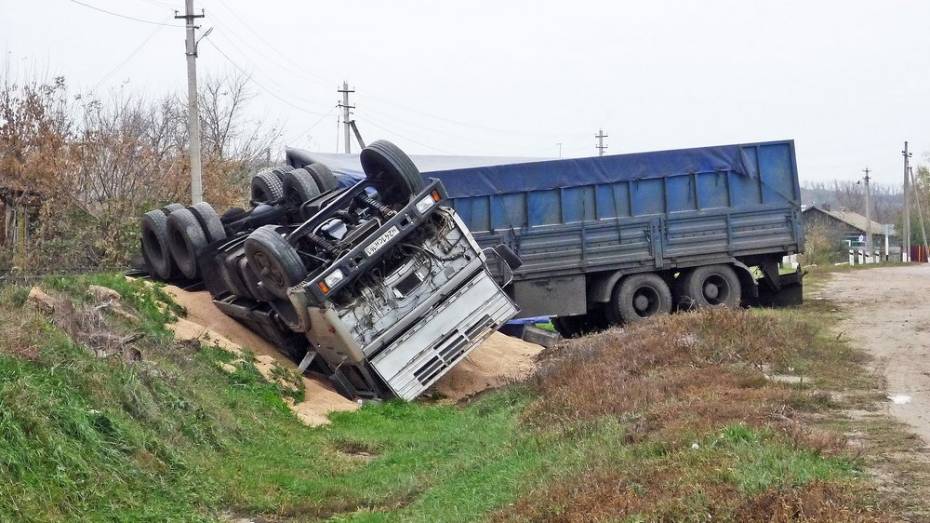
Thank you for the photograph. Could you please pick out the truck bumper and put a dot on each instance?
(423, 354)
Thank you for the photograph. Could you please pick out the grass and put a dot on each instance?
(671, 420)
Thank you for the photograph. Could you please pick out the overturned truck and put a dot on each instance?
(372, 282)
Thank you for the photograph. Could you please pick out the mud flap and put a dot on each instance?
(788, 291)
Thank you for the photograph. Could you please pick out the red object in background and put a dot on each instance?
(918, 254)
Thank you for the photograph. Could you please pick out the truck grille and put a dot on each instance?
(450, 350)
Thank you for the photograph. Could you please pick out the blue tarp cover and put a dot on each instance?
(554, 174)
(476, 176)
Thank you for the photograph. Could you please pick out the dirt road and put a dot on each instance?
(887, 313)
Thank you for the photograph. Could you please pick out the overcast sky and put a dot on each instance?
(848, 80)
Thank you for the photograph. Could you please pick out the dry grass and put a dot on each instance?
(705, 435)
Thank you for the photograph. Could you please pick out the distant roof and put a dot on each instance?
(853, 219)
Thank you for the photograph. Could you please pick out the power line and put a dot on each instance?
(131, 55)
(368, 120)
(293, 66)
(318, 122)
(262, 86)
(127, 17)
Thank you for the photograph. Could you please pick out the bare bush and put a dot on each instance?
(86, 168)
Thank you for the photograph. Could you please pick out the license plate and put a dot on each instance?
(382, 240)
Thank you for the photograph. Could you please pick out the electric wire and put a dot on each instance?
(131, 55)
(260, 85)
(370, 121)
(127, 17)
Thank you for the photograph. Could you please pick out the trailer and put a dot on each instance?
(614, 239)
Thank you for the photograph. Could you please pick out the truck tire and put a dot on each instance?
(210, 221)
(709, 286)
(171, 207)
(638, 297)
(155, 249)
(267, 187)
(186, 240)
(299, 186)
(325, 179)
(392, 171)
(274, 261)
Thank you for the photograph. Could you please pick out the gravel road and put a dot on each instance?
(887, 313)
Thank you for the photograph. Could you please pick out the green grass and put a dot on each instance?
(176, 438)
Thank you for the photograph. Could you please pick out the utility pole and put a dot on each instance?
(920, 215)
(346, 114)
(193, 111)
(600, 142)
(868, 215)
(906, 244)
(560, 149)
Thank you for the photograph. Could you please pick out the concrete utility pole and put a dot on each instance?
(906, 243)
(560, 149)
(600, 142)
(868, 215)
(193, 111)
(346, 114)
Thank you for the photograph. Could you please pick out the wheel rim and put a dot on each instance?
(716, 289)
(268, 271)
(645, 301)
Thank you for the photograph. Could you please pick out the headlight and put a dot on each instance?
(428, 201)
(425, 204)
(331, 280)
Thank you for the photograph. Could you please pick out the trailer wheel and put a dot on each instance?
(275, 261)
(155, 249)
(210, 221)
(325, 179)
(267, 187)
(392, 171)
(186, 240)
(709, 286)
(638, 297)
(299, 186)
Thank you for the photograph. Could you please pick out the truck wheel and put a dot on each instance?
(287, 314)
(392, 171)
(299, 186)
(638, 297)
(325, 179)
(267, 187)
(251, 281)
(709, 286)
(210, 221)
(171, 207)
(155, 245)
(275, 261)
(186, 240)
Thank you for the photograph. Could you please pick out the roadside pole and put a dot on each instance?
(906, 243)
(193, 111)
